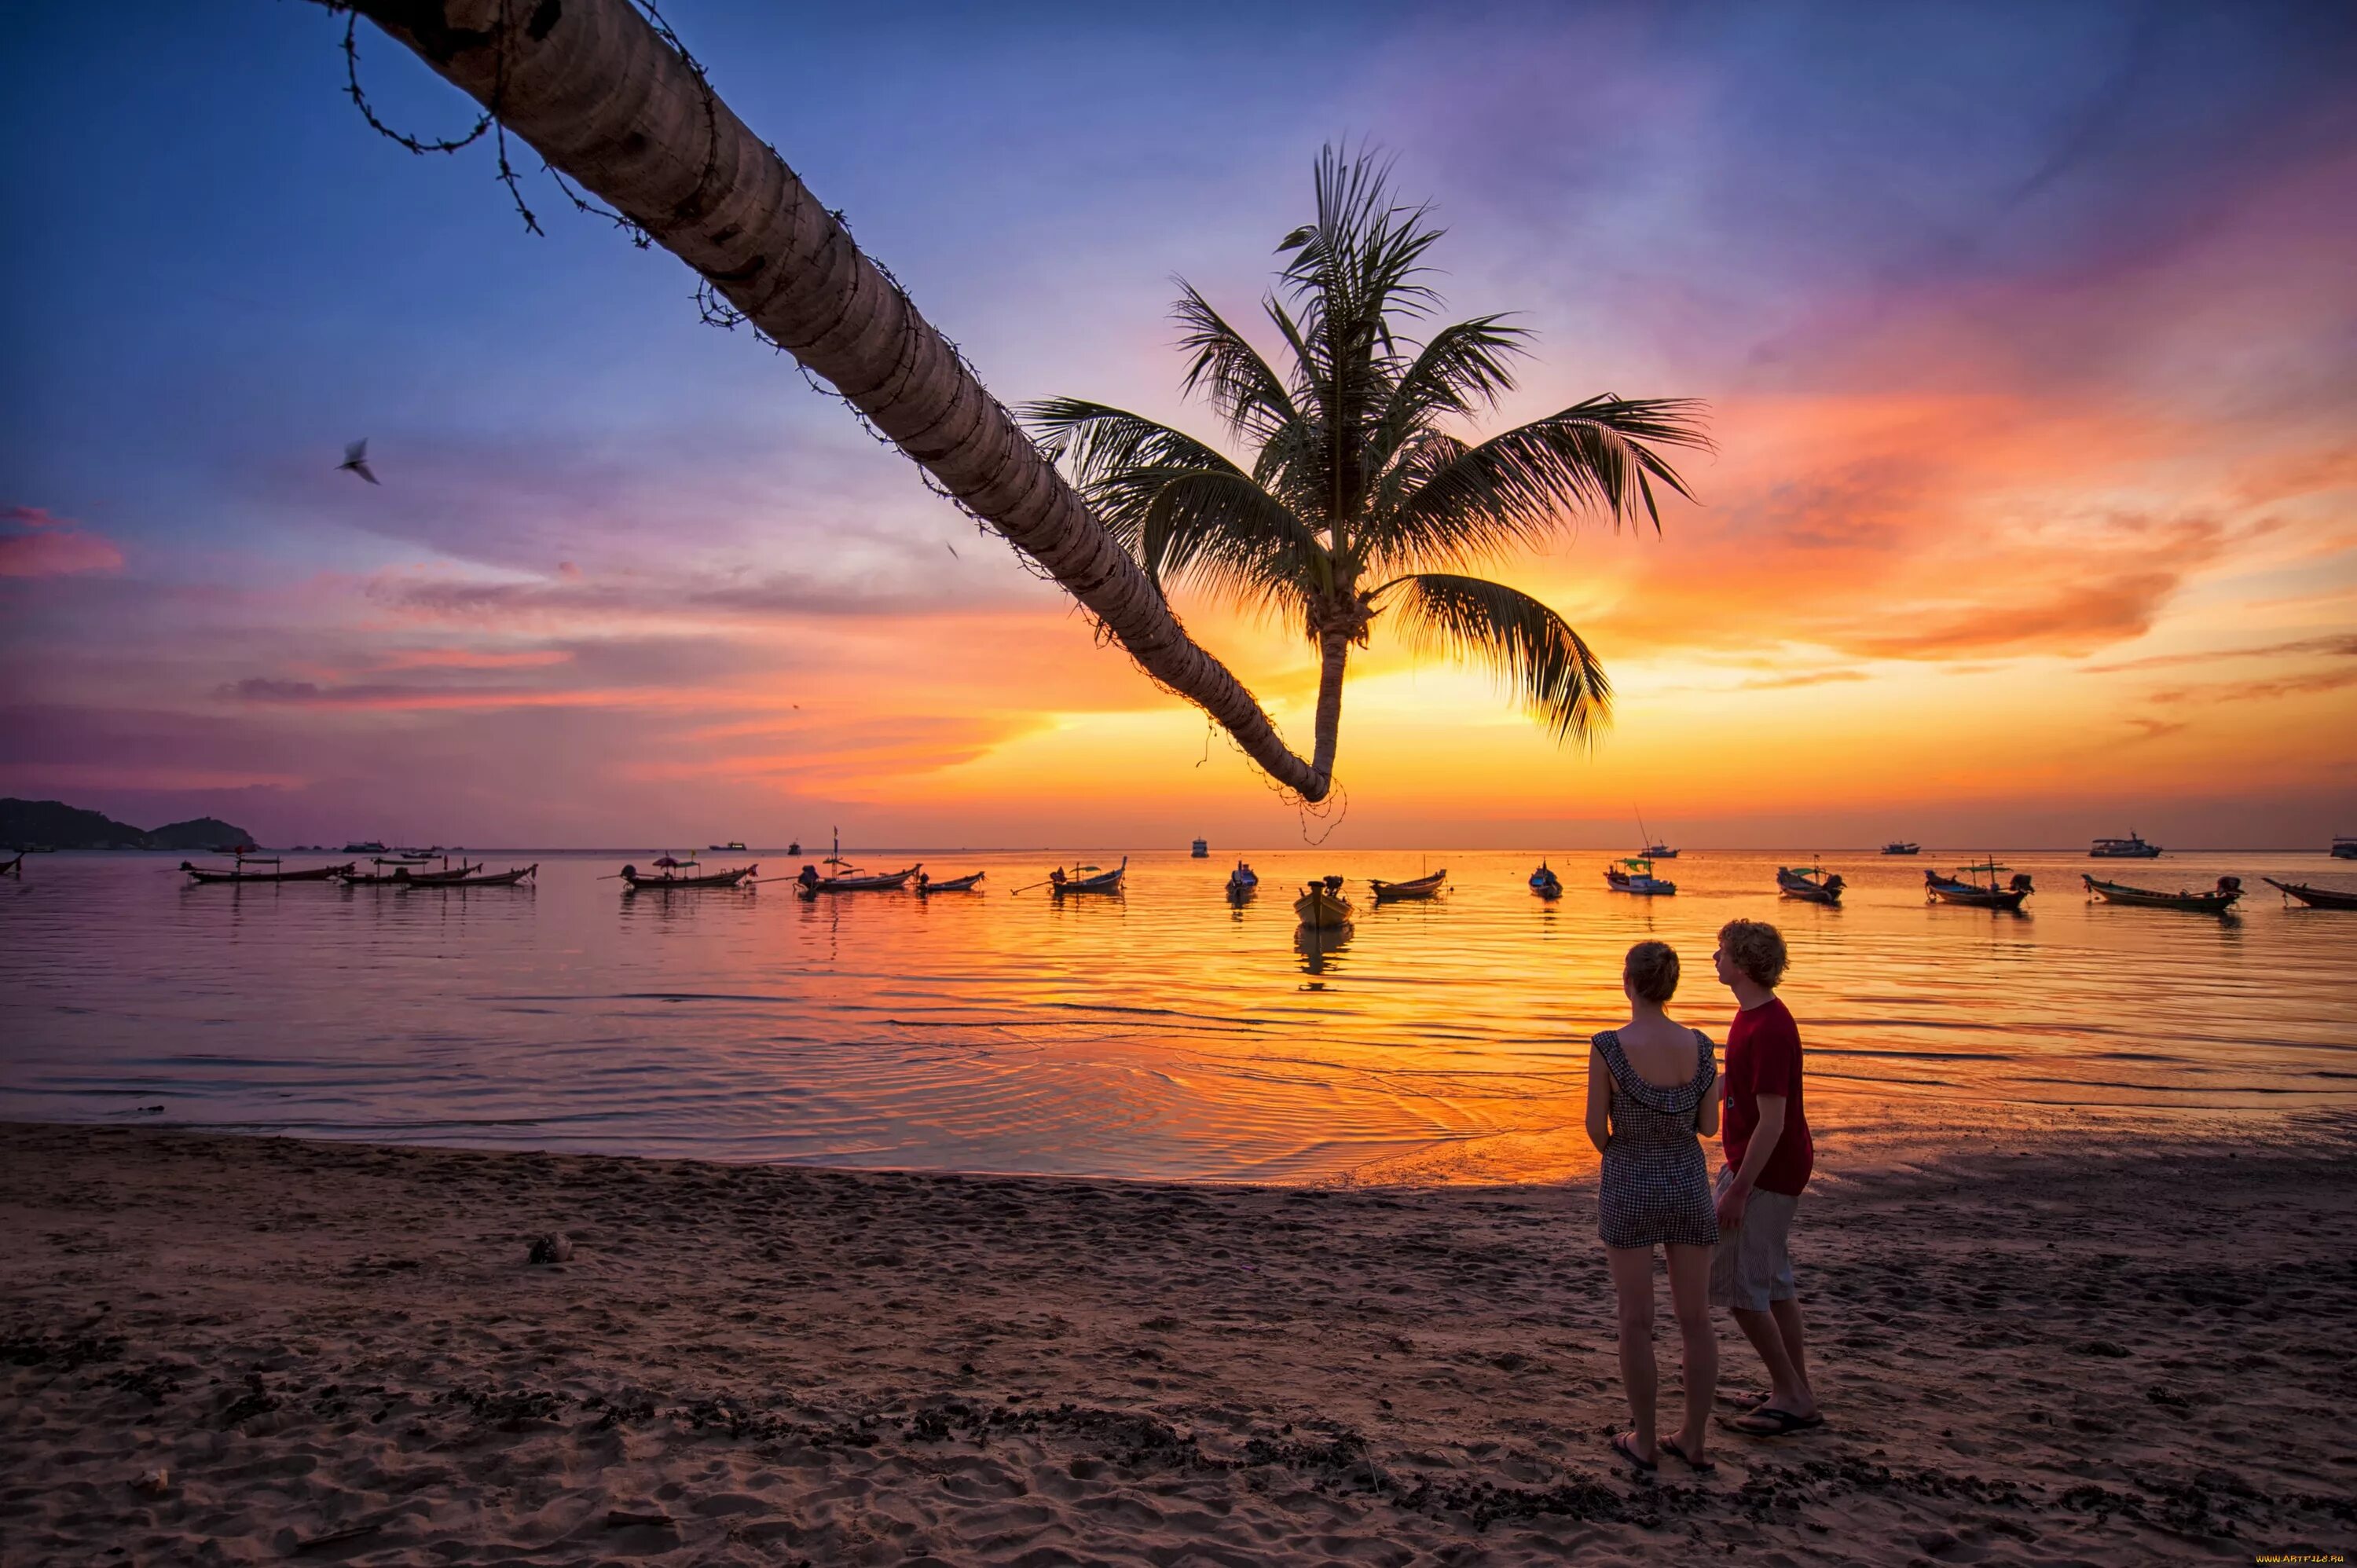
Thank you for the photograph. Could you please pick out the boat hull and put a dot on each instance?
(955, 884)
(496, 879)
(1970, 898)
(1644, 886)
(1422, 888)
(315, 874)
(2315, 897)
(636, 884)
(1103, 882)
(1321, 911)
(890, 882)
(2147, 898)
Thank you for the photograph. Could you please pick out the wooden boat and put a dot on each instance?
(2314, 897)
(1974, 895)
(1635, 874)
(1322, 906)
(812, 883)
(1243, 881)
(507, 878)
(1546, 882)
(1809, 884)
(2128, 848)
(1422, 888)
(2216, 902)
(2344, 848)
(955, 884)
(1103, 882)
(1902, 846)
(240, 873)
(672, 877)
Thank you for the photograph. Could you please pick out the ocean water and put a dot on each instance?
(1161, 1034)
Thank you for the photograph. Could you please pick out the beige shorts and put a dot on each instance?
(1752, 1265)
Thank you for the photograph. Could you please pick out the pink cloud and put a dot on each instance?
(33, 544)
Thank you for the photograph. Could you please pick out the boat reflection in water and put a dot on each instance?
(1318, 945)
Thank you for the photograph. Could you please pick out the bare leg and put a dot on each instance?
(1788, 1389)
(1633, 1287)
(1787, 1313)
(1690, 1300)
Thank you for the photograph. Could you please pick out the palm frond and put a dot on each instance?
(1250, 395)
(1527, 645)
(1461, 369)
(1222, 535)
(1524, 486)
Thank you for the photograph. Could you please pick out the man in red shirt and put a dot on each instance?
(1769, 1158)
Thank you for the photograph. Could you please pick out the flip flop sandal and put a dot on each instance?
(1767, 1422)
(1623, 1447)
(1700, 1466)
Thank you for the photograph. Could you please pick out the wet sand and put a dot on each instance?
(219, 1349)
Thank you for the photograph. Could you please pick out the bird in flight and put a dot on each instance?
(356, 459)
(952, 550)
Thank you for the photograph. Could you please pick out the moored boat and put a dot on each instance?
(1972, 894)
(1546, 882)
(1635, 874)
(1902, 846)
(2314, 897)
(1810, 884)
(1060, 883)
(952, 884)
(1321, 905)
(1243, 881)
(675, 874)
(855, 881)
(507, 878)
(2215, 902)
(240, 873)
(1420, 888)
(2129, 848)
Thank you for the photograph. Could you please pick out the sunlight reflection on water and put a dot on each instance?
(1162, 1034)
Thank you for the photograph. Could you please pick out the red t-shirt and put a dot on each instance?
(1763, 1056)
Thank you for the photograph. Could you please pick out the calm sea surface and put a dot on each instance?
(1161, 1034)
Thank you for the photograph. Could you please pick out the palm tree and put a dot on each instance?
(619, 108)
(1356, 478)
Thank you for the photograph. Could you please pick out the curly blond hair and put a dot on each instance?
(1757, 949)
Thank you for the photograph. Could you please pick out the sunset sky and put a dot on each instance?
(2028, 334)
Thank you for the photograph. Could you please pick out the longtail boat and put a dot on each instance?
(507, 878)
(1103, 882)
(2314, 897)
(1809, 884)
(2216, 902)
(400, 875)
(1974, 895)
(12, 868)
(1902, 846)
(671, 877)
(1242, 882)
(1322, 906)
(1546, 882)
(1422, 888)
(883, 882)
(1635, 874)
(240, 873)
(2129, 848)
(953, 884)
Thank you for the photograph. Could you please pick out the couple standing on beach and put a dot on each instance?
(1653, 1093)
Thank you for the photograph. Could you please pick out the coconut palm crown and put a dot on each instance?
(1360, 501)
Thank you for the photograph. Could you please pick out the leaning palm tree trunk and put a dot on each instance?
(606, 102)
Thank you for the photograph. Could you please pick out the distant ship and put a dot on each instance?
(1902, 846)
(2128, 848)
(373, 846)
(2344, 849)
(737, 846)
(1654, 850)
(1202, 849)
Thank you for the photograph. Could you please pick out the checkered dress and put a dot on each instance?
(1656, 1185)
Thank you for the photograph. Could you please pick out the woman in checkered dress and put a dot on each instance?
(1653, 1096)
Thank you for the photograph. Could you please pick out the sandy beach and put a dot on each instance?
(218, 1349)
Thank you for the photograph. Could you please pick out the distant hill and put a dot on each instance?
(60, 826)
